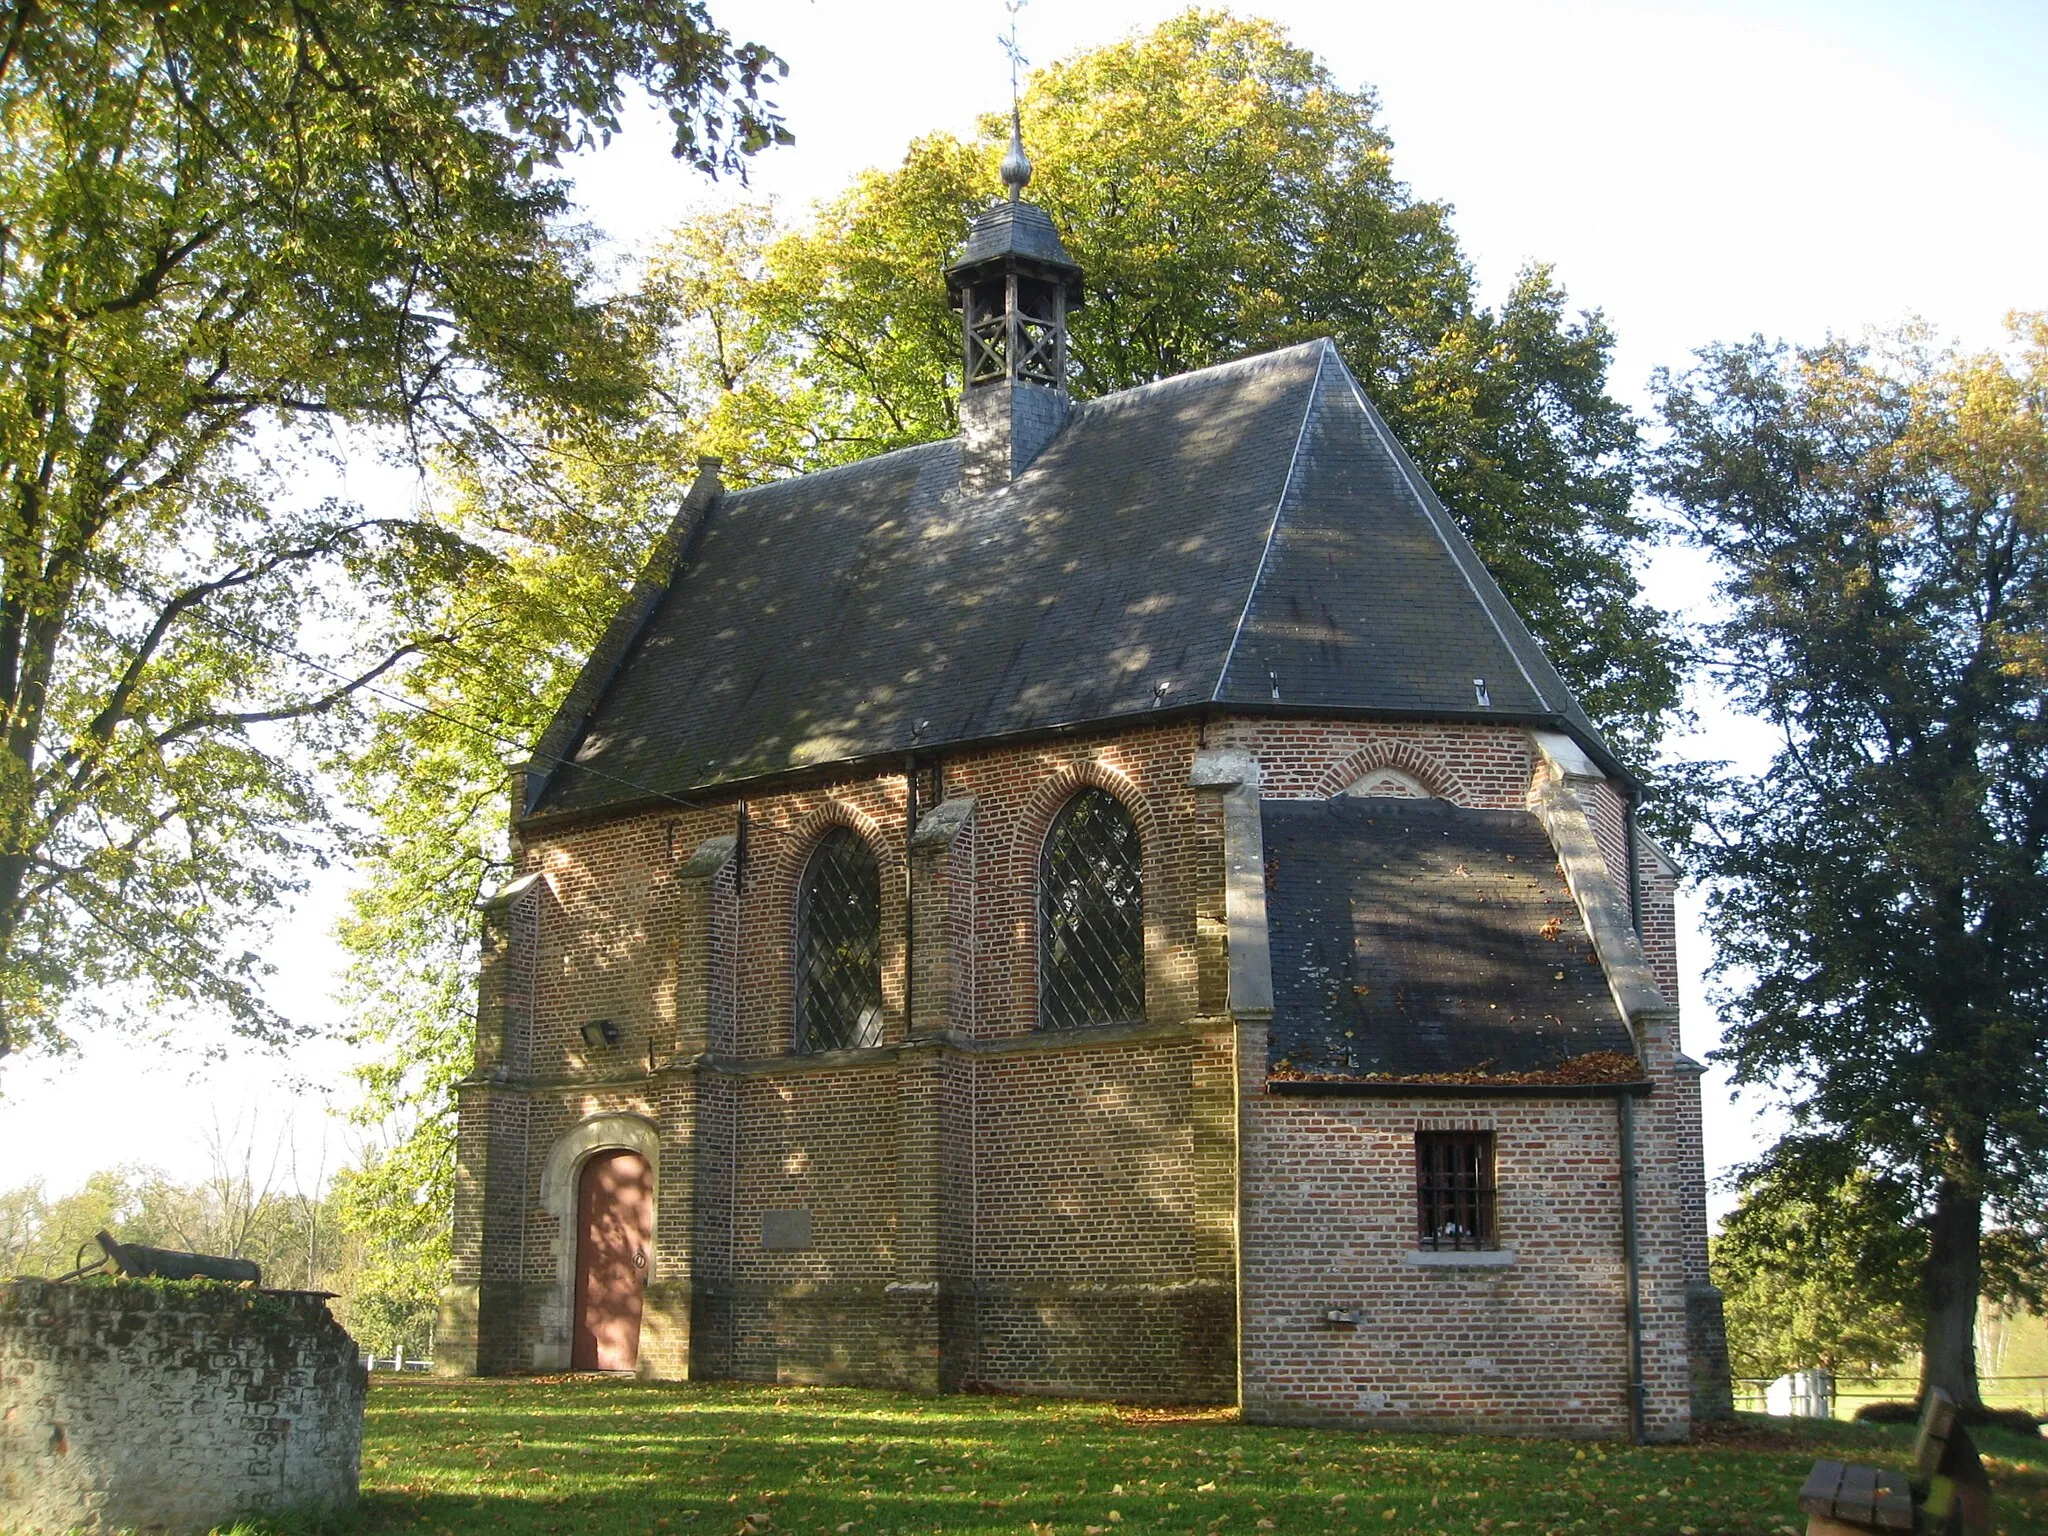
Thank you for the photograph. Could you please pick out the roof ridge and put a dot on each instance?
(1195, 374)
(1080, 407)
(840, 469)
(1308, 410)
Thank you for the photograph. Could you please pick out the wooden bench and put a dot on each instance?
(1947, 1494)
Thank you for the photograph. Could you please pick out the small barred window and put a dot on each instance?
(1091, 917)
(1454, 1189)
(839, 946)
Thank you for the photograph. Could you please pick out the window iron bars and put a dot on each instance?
(839, 946)
(1454, 1191)
(1091, 917)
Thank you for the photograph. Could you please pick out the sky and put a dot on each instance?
(1699, 172)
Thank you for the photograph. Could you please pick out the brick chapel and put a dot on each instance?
(1116, 903)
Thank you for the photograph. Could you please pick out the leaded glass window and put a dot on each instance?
(839, 946)
(1091, 917)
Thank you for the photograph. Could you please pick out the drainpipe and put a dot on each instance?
(909, 892)
(1635, 875)
(1625, 1110)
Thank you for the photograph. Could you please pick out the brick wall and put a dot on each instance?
(1537, 1346)
(172, 1406)
(989, 1204)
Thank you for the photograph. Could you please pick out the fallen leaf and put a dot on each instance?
(1268, 1523)
(1205, 1487)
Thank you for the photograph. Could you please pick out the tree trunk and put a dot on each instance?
(1953, 1278)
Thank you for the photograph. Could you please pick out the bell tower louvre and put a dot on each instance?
(1014, 286)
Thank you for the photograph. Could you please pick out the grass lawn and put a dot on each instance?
(594, 1457)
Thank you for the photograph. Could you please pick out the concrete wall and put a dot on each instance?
(171, 1407)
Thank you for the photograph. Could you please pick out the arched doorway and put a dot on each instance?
(614, 1240)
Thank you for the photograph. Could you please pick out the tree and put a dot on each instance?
(228, 232)
(1226, 195)
(1879, 516)
(1817, 1265)
(567, 521)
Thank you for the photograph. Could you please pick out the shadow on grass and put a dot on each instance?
(582, 1457)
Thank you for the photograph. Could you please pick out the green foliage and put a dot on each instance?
(513, 1458)
(1818, 1266)
(232, 1213)
(396, 1209)
(564, 521)
(227, 229)
(1879, 513)
(1225, 195)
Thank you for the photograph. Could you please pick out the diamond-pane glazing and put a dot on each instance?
(839, 947)
(1091, 917)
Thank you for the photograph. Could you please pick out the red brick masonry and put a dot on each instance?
(1123, 1212)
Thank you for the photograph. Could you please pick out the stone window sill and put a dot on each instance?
(1451, 1258)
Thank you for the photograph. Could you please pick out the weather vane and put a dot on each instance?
(1014, 53)
(1016, 164)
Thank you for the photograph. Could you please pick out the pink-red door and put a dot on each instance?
(614, 1232)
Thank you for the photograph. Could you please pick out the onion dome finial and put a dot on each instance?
(1016, 164)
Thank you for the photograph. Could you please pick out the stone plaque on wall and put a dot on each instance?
(786, 1231)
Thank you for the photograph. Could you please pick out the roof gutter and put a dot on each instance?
(888, 760)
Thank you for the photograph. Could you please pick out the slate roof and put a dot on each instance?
(1017, 229)
(1248, 534)
(1419, 938)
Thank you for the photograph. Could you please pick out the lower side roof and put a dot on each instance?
(1416, 939)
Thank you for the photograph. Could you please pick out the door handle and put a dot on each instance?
(639, 1258)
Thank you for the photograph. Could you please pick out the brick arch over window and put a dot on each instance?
(1052, 794)
(1035, 825)
(1426, 768)
(781, 891)
(802, 841)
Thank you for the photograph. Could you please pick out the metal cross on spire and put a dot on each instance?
(1016, 169)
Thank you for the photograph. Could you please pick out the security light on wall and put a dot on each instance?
(600, 1032)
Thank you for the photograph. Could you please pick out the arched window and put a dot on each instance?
(1091, 917)
(839, 946)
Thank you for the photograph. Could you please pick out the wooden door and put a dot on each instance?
(614, 1232)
